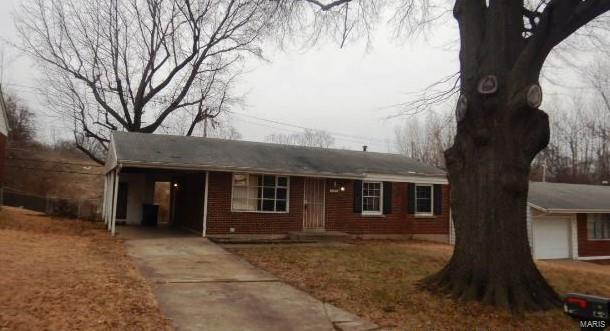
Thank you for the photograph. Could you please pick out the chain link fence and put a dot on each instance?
(88, 209)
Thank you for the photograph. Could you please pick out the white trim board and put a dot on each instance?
(568, 211)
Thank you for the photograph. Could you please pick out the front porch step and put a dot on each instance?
(319, 236)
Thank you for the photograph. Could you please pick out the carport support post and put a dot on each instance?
(114, 200)
(105, 202)
(108, 198)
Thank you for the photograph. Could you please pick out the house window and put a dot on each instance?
(423, 200)
(259, 193)
(372, 197)
(598, 226)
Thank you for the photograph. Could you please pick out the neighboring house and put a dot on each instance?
(567, 221)
(4, 128)
(234, 188)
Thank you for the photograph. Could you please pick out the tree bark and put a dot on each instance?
(492, 261)
(489, 163)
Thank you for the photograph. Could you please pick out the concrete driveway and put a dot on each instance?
(200, 286)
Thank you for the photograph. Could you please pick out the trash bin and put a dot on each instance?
(150, 214)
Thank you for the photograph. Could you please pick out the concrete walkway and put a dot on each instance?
(200, 286)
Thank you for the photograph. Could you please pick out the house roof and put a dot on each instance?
(180, 152)
(569, 198)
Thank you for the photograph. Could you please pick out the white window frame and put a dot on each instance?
(591, 218)
(431, 213)
(247, 185)
(371, 212)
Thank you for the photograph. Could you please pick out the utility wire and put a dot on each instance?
(368, 139)
(299, 131)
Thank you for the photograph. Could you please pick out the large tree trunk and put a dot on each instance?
(489, 164)
(492, 262)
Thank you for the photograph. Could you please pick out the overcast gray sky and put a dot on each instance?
(344, 91)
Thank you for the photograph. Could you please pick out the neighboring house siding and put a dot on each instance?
(221, 219)
(588, 247)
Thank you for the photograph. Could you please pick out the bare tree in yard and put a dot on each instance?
(311, 138)
(139, 65)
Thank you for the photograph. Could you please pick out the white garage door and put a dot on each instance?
(551, 237)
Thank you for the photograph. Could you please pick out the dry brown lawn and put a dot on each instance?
(377, 280)
(58, 274)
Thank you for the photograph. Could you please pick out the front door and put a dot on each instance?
(313, 204)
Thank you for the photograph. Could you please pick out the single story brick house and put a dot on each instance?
(568, 221)
(239, 188)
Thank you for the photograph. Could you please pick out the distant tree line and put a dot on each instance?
(426, 138)
(20, 120)
(579, 150)
(311, 138)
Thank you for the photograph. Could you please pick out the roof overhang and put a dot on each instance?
(414, 178)
(569, 211)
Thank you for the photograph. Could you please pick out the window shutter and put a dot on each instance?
(411, 198)
(438, 199)
(387, 197)
(357, 192)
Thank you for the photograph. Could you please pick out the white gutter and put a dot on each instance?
(568, 211)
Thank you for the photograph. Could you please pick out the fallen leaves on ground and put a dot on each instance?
(378, 281)
(59, 274)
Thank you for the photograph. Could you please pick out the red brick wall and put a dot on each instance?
(588, 247)
(220, 218)
(339, 215)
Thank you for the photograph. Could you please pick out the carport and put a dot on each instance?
(129, 190)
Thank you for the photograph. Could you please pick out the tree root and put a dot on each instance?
(525, 292)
